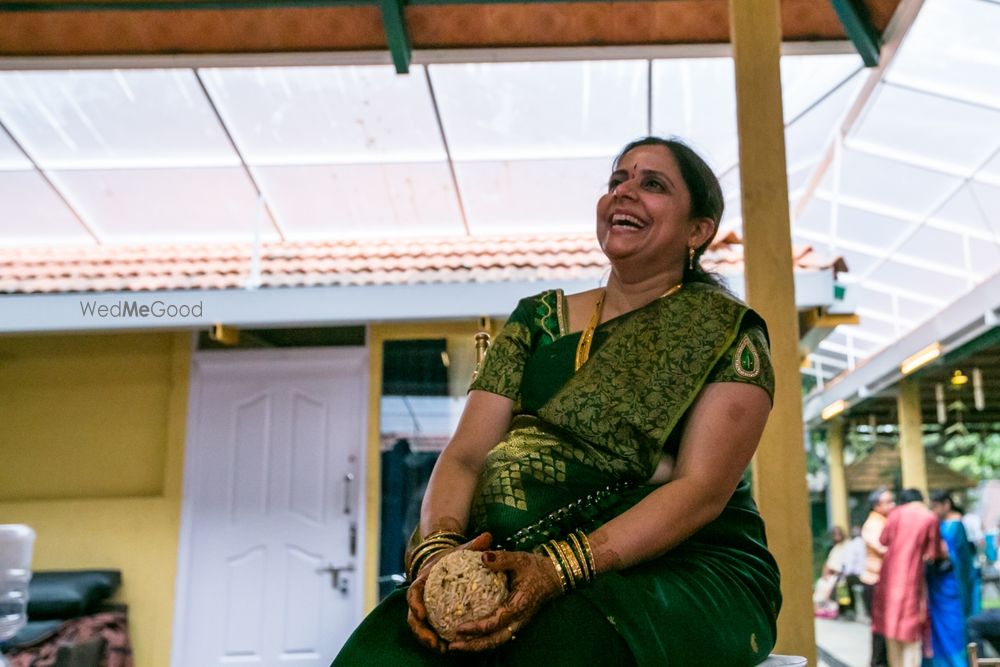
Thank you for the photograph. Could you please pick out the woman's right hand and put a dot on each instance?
(417, 614)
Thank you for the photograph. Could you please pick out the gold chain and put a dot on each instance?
(587, 335)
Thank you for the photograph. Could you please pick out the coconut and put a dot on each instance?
(460, 589)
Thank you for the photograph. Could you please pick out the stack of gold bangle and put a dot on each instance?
(572, 558)
(439, 540)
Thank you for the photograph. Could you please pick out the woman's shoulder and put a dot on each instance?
(543, 311)
(714, 298)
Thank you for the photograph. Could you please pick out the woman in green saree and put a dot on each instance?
(623, 416)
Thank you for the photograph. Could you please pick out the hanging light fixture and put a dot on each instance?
(959, 379)
(942, 411)
(978, 397)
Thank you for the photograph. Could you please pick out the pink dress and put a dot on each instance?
(900, 605)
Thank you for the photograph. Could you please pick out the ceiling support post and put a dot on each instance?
(839, 512)
(858, 26)
(779, 467)
(911, 436)
(396, 36)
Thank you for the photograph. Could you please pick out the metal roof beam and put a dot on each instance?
(396, 36)
(858, 26)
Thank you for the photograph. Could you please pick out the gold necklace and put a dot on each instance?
(587, 335)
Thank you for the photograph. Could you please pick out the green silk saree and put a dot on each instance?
(577, 453)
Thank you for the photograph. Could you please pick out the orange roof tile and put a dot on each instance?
(328, 263)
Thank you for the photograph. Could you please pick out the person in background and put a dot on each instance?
(854, 565)
(825, 595)
(985, 627)
(977, 538)
(880, 501)
(950, 586)
(912, 541)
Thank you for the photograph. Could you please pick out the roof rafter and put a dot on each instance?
(858, 26)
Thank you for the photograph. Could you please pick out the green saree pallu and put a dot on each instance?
(579, 449)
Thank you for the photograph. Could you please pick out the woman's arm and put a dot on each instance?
(449, 493)
(484, 421)
(719, 439)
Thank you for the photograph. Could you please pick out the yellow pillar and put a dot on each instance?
(780, 465)
(839, 513)
(911, 438)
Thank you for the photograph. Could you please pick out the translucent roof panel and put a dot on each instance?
(113, 119)
(871, 230)
(943, 250)
(815, 218)
(967, 210)
(327, 115)
(952, 50)
(695, 99)
(928, 129)
(808, 136)
(512, 111)
(31, 213)
(863, 339)
(532, 196)
(984, 257)
(888, 184)
(362, 199)
(732, 214)
(11, 157)
(987, 198)
(166, 205)
(805, 80)
(914, 280)
(913, 311)
(990, 172)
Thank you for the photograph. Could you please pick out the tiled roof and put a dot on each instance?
(329, 263)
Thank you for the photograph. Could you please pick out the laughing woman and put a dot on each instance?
(602, 450)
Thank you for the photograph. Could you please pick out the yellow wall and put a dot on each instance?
(91, 444)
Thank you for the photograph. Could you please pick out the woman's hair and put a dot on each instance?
(706, 196)
(946, 497)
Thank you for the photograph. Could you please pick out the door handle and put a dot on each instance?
(335, 572)
(348, 479)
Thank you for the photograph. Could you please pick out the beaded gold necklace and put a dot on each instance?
(587, 335)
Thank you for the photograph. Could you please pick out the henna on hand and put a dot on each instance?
(416, 616)
(533, 582)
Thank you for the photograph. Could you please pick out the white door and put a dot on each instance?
(270, 571)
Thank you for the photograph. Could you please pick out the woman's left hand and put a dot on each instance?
(533, 582)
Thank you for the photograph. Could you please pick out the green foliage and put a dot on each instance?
(971, 454)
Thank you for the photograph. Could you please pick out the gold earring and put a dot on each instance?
(690, 259)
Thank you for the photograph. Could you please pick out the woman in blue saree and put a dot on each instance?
(950, 587)
(600, 459)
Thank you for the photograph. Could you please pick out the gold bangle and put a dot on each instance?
(574, 542)
(572, 561)
(589, 552)
(567, 565)
(418, 561)
(435, 538)
(555, 561)
(458, 537)
(434, 542)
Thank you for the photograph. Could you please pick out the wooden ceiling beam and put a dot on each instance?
(71, 28)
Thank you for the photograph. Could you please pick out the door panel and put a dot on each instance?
(276, 444)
